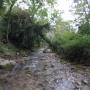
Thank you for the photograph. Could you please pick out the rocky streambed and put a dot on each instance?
(45, 71)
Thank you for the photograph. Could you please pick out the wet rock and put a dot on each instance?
(78, 83)
(47, 51)
(42, 58)
(85, 82)
(17, 53)
(3, 81)
(56, 81)
(73, 69)
(1, 67)
(76, 88)
(26, 67)
(45, 67)
(40, 84)
(85, 88)
(43, 89)
(52, 88)
(34, 58)
(46, 82)
(5, 62)
(52, 66)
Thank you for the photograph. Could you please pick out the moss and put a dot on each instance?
(8, 67)
(7, 49)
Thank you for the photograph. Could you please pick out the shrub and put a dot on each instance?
(84, 28)
(72, 46)
(7, 49)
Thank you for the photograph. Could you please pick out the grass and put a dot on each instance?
(7, 49)
(8, 67)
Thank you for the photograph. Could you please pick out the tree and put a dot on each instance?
(11, 3)
(27, 26)
(82, 10)
(7, 5)
(39, 9)
(84, 29)
(1, 3)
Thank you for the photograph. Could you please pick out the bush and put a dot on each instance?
(71, 46)
(23, 31)
(84, 28)
(7, 49)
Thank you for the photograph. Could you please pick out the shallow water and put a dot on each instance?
(57, 75)
(46, 71)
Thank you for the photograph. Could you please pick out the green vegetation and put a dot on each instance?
(8, 50)
(7, 67)
(72, 46)
(22, 28)
(84, 29)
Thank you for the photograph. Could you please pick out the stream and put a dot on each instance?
(46, 71)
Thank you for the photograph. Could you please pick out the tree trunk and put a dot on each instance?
(9, 17)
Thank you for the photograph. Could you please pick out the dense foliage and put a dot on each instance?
(21, 27)
(27, 27)
(84, 28)
(72, 46)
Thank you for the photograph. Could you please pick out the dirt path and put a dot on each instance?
(45, 71)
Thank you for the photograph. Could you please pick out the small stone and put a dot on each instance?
(47, 51)
(78, 83)
(72, 69)
(52, 88)
(45, 67)
(56, 81)
(40, 84)
(43, 89)
(52, 66)
(18, 53)
(76, 88)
